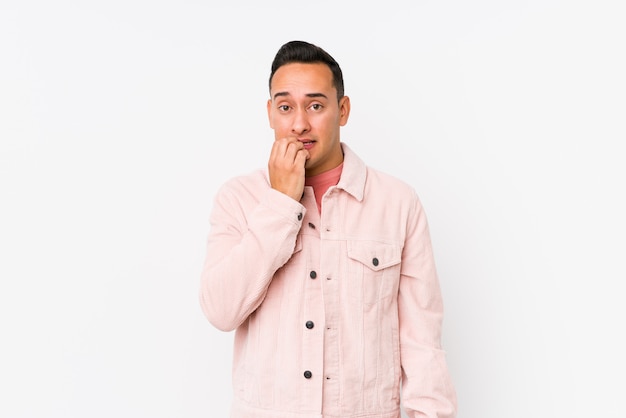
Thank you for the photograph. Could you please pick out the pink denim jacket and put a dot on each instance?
(332, 313)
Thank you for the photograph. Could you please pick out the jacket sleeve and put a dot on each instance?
(250, 238)
(427, 389)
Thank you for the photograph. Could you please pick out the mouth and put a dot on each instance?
(307, 143)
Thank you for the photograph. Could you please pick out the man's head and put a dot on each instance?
(306, 53)
(306, 105)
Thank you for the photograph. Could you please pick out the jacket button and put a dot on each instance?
(313, 274)
(375, 261)
(309, 324)
(300, 216)
(308, 374)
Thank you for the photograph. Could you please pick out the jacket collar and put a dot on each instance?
(353, 174)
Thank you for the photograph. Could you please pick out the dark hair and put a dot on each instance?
(304, 52)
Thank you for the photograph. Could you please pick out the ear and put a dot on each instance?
(344, 110)
(269, 112)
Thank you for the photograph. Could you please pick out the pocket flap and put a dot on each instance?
(375, 255)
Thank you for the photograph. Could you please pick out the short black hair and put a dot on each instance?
(307, 53)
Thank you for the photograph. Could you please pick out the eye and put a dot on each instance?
(316, 107)
(284, 108)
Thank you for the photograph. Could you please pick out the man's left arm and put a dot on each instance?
(427, 389)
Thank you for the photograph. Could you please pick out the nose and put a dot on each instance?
(300, 123)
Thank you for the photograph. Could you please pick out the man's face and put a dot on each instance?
(303, 105)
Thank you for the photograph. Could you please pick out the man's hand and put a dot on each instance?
(286, 167)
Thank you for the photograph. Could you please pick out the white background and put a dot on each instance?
(120, 119)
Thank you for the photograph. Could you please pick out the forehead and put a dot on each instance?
(302, 77)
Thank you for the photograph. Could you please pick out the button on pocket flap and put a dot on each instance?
(375, 255)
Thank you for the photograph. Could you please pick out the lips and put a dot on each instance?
(307, 144)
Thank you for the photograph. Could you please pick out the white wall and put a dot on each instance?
(120, 119)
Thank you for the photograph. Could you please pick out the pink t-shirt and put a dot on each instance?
(322, 182)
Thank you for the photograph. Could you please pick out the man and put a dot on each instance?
(324, 268)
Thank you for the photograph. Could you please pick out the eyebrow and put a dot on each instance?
(285, 93)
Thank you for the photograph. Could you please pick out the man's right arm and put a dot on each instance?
(249, 240)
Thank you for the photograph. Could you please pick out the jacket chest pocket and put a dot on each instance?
(373, 270)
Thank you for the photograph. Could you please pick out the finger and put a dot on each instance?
(279, 149)
(281, 146)
(293, 148)
(301, 157)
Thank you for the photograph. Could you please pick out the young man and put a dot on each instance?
(324, 268)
